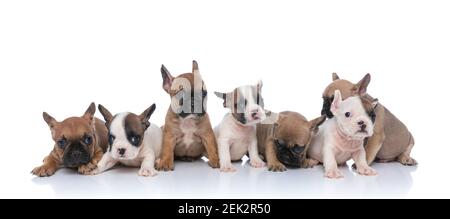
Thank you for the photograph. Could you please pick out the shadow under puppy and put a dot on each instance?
(187, 133)
(391, 140)
(79, 143)
(236, 134)
(133, 141)
(284, 138)
(341, 138)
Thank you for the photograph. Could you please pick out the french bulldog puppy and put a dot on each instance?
(236, 134)
(79, 143)
(133, 141)
(187, 132)
(391, 140)
(285, 141)
(342, 137)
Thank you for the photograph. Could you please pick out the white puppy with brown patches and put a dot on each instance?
(133, 141)
(236, 134)
(342, 137)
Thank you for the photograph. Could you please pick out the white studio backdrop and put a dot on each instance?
(58, 56)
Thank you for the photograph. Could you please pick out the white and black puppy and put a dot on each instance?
(342, 137)
(133, 141)
(236, 134)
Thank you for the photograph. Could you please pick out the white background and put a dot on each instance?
(58, 56)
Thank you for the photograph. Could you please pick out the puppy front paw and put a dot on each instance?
(227, 168)
(43, 170)
(367, 171)
(147, 172)
(86, 169)
(165, 165)
(276, 167)
(214, 163)
(309, 163)
(334, 173)
(257, 163)
(407, 161)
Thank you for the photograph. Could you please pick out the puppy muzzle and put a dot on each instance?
(292, 157)
(76, 155)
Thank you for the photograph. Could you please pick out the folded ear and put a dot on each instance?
(167, 78)
(89, 114)
(336, 101)
(335, 76)
(106, 114)
(145, 116)
(51, 122)
(315, 123)
(361, 86)
(222, 96)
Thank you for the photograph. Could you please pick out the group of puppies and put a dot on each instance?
(358, 127)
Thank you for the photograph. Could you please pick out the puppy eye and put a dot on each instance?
(87, 140)
(348, 114)
(61, 143)
(111, 139)
(134, 139)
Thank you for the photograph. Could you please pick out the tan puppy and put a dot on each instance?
(391, 140)
(187, 132)
(79, 143)
(286, 140)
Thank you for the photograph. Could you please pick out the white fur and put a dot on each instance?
(143, 156)
(188, 128)
(338, 139)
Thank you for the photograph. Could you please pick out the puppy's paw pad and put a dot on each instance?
(408, 161)
(228, 168)
(214, 163)
(310, 163)
(279, 167)
(87, 168)
(367, 171)
(147, 172)
(43, 171)
(334, 174)
(257, 163)
(164, 166)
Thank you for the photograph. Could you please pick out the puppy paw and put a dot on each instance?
(165, 166)
(334, 174)
(309, 163)
(147, 172)
(407, 161)
(43, 170)
(367, 171)
(228, 168)
(277, 167)
(214, 163)
(257, 163)
(87, 168)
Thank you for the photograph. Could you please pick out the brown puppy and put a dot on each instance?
(286, 141)
(391, 140)
(187, 132)
(79, 143)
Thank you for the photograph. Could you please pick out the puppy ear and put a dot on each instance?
(361, 86)
(374, 102)
(335, 76)
(106, 114)
(336, 101)
(145, 116)
(222, 96)
(89, 114)
(167, 78)
(259, 85)
(51, 122)
(195, 69)
(315, 123)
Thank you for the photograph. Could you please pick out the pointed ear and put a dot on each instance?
(335, 76)
(259, 85)
(106, 114)
(222, 96)
(315, 123)
(89, 114)
(195, 69)
(51, 122)
(336, 101)
(145, 116)
(361, 86)
(167, 78)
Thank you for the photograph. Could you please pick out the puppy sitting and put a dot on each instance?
(133, 141)
(236, 134)
(79, 143)
(187, 132)
(342, 137)
(286, 140)
(391, 140)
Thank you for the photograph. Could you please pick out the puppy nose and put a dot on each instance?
(121, 151)
(363, 126)
(361, 122)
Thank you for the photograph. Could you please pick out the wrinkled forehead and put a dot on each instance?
(353, 104)
(294, 130)
(125, 123)
(75, 128)
(248, 93)
(188, 82)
